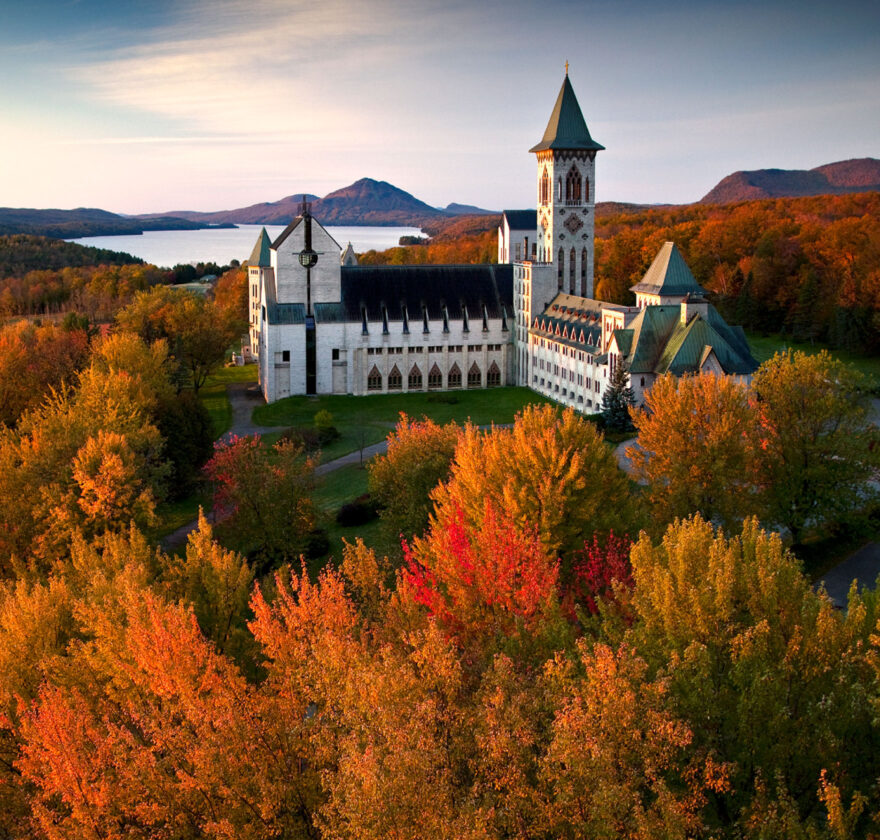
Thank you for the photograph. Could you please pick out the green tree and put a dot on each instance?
(618, 399)
(817, 451)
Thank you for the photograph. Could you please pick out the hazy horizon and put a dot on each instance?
(198, 105)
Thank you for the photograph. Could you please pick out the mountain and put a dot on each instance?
(846, 176)
(84, 221)
(467, 210)
(365, 202)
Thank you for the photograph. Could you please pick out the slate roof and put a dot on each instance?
(669, 275)
(567, 128)
(260, 256)
(573, 321)
(521, 219)
(409, 288)
(658, 342)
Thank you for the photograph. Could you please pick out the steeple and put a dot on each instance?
(566, 194)
(260, 256)
(567, 128)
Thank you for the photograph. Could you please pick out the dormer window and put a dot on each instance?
(425, 328)
(465, 327)
(485, 319)
(405, 318)
(445, 319)
(384, 320)
(364, 329)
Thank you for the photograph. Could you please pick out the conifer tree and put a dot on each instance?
(617, 399)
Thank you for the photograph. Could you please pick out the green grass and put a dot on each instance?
(214, 398)
(174, 515)
(368, 419)
(765, 346)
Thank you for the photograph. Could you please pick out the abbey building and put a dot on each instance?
(321, 324)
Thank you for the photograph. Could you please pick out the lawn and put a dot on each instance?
(368, 419)
(765, 346)
(214, 398)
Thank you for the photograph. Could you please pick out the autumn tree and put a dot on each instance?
(198, 331)
(34, 359)
(418, 458)
(551, 471)
(818, 452)
(694, 448)
(769, 675)
(266, 493)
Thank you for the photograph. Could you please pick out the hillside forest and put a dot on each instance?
(545, 647)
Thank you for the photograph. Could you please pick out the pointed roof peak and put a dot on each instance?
(567, 128)
(669, 275)
(260, 255)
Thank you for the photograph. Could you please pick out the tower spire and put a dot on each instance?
(566, 69)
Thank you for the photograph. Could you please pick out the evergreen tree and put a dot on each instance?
(617, 399)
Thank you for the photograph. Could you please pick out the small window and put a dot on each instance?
(285, 355)
(335, 354)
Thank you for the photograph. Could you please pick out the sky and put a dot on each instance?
(140, 106)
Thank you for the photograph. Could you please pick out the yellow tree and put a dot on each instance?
(551, 471)
(769, 676)
(695, 449)
(418, 458)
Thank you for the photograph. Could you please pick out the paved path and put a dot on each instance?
(863, 567)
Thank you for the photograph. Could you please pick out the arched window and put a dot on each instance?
(586, 190)
(559, 189)
(475, 378)
(545, 188)
(493, 376)
(455, 376)
(374, 380)
(560, 269)
(573, 186)
(572, 264)
(414, 382)
(435, 379)
(395, 380)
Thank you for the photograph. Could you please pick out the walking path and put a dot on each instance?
(863, 566)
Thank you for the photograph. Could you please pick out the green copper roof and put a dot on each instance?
(567, 128)
(669, 275)
(657, 341)
(260, 255)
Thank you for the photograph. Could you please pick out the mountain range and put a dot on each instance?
(371, 202)
(846, 176)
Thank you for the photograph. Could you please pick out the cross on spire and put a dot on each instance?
(566, 68)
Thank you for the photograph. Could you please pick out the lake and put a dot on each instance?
(222, 245)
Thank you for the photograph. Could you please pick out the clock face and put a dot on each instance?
(574, 224)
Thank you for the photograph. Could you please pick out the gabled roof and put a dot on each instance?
(260, 255)
(293, 226)
(567, 128)
(669, 275)
(521, 219)
(349, 257)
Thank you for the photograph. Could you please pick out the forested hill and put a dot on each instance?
(806, 266)
(21, 253)
(846, 176)
(84, 221)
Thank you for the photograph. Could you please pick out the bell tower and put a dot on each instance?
(566, 194)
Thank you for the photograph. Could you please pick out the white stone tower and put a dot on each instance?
(566, 194)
